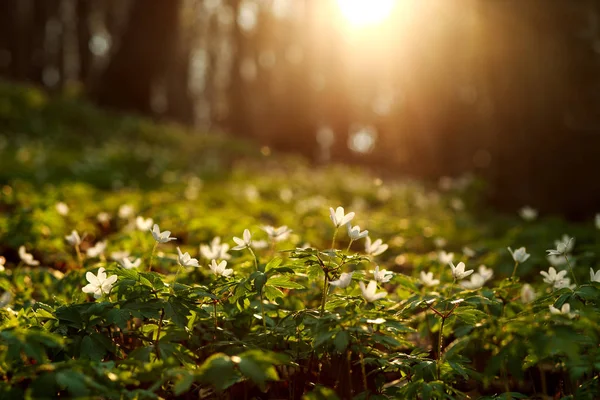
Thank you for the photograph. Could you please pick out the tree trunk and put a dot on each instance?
(141, 58)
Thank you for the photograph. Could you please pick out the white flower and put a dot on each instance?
(27, 258)
(527, 294)
(427, 279)
(556, 261)
(440, 242)
(476, 282)
(73, 238)
(215, 250)
(99, 284)
(563, 246)
(594, 277)
(119, 255)
(457, 204)
(355, 233)
(485, 272)
(382, 276)
(125, 211)
(597, 221)
(469, 252)
(564, 283)
(161, 237)
(97, 249)
(528, 213)
(277, 234)
(128, 264)
(259, 244)
(62, 208)
(375, 248)
(185, 260)
(2, 262)
(458, 272)
(343, 281)
(244, 242)
(551, 277)
(143, 224)
(520, 255)
(445, 258)
(103, 217)
(338, 217)
(220, 268)
(369, 294)
(564, 310)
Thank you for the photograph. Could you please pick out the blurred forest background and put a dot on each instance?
(509, 90)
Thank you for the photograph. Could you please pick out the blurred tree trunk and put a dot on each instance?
(7, 31)
(84, 35)
(142, 57)
(237, 116)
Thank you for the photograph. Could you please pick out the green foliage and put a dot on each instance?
(276, 327)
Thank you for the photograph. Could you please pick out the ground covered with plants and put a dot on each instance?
(142, 261)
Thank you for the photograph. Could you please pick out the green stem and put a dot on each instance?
(334, 236)
(79, 256)
(439, 354)
(514, 270)
(324, 297)
(160, 322)
(262, 311)
(152, 256)
(571, 269)
(255, 258)
(349, 244)
(215, 315)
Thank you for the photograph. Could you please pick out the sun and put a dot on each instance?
(362, 13)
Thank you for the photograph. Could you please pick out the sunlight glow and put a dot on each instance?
(365, 12)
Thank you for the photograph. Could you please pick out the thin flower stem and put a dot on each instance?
(334, 236)
(79, 256)
(160, 322)
(255, 258)
(514, 270)
(440, 339)
(571, 269)
(363, 371)
(216, 322)
(152, 256)
(324, 297)
(262, 311)
(349, 244)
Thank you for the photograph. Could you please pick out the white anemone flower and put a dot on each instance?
(564, 310)
(125, 211)
(2, 262)
(382, 276)
(259, 244)
(374, 248)
(552, 277)
(369, 292)
(27, 258)
(216, 250)
(119, 255)
(458, 272)
(220, 269)
(597, 221)
(343, 281)
(97, 249)
(485, 272)
(128, 264)
(73, 239)
(594, 277)
(476, 282)
(520, 255)
(556, 261)
(528, 213)
(564, 283)
(563, 246)
(161, 237)
(427, 279)
(445, 258)
(244, 242)
(440, 242)
(99, 284)
(338, 217)
(527, 294)
(277, 234)
(143, 224)
(355, 233)
(469, 252)
(185, 260)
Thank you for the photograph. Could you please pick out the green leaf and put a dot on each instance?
(341, 341)
(274, 263)
(218, 370)
(284, 282)
(272, 293)
(259, 281)
(118, 317)
(90, 349)
(471, 316)
(73, 381)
